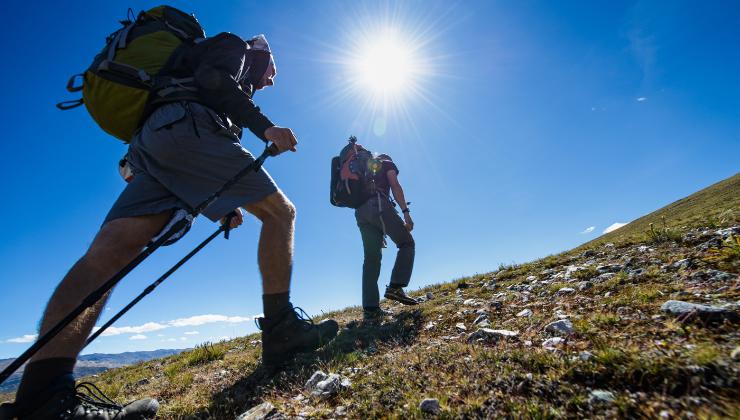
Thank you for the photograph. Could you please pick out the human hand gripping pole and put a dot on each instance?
(96, 295)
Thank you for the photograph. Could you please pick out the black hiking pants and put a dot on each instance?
(373, 218)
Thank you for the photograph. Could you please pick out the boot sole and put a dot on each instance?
(402, 301)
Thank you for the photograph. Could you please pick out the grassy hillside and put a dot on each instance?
(618, 354)
(716, 205)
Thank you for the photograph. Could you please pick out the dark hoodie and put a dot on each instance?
(221, 67)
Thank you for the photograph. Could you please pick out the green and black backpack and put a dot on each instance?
(131, 72)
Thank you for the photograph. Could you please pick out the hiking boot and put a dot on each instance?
(293, 332)
(374, 316)
(397, 294)
(62, 400)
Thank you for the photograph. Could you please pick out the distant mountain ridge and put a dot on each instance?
(91, 364)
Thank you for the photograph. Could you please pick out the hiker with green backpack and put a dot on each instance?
(180, 100)
(364, 181)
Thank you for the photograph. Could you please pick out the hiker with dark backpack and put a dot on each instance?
(364, 182)
(180, 100)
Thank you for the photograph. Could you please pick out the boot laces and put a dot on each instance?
(94, 398)
(300, 315)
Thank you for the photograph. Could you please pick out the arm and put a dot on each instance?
(397, 191)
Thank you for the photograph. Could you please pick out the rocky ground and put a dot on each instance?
(646, 329)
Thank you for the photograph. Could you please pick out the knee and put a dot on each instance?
(409, 244)
(276, 208)
(373, 257)
(113, 245)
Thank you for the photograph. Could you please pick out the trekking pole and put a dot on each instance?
(224, 228)
(96, 295)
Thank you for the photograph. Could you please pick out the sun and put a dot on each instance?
(385, 66)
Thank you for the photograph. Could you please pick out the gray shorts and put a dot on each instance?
(180, 157)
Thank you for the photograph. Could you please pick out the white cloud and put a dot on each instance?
(183, 338)
(588, 230)
(641, 99)
(613, 227)
(137, 337)
(169, 340)
(194, 321)
(27, 338)
(138, 329)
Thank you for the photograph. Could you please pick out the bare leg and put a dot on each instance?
(117, 243)
(275, 252)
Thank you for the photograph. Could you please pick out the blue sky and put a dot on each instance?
(530, 122)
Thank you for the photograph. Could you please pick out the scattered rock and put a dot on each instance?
(340, 411)
(683, 264)
(603, 277)
(472, 302)
(460, 326)
(703, 312)
(482, 317)
(531, 279)
(643, 249)
(430, 325)
(609, 268)
(526, 313)
(490, 285)
(566, 291)
(564, 326)
(609, 245)
(489, 336)
(585, 356)
(317, 377)
(261, 412)
(430, 406)
(326, 386)
(463, 285)
(600, 396)
(585, 285)
(588, 254)
(726, 233)
(430, 295)
(553, 343)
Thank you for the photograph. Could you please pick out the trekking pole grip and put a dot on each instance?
(273, 150)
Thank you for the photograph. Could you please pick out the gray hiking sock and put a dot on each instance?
(274, 304)
(39, 375)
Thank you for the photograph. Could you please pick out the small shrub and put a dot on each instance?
(663, 234)
(204, 353)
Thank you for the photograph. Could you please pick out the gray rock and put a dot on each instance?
(604, 277)
(460, 326)
(484, 324)
(609, 268)
(601, 396)
(552, 343)
(472, 302)
(564, 326)
(328, 387)
(430, 295)
(588, 254)
(585, 356)
(585, 285)
(490, 336)
(643, 249)
(702, 312)
(317, 377)
(566, 291)
(683, 264)
(481, 318)
(716, 275)
(526, 312)
(725, 233)
(260, 412)
(430, 406)
(530, 279)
